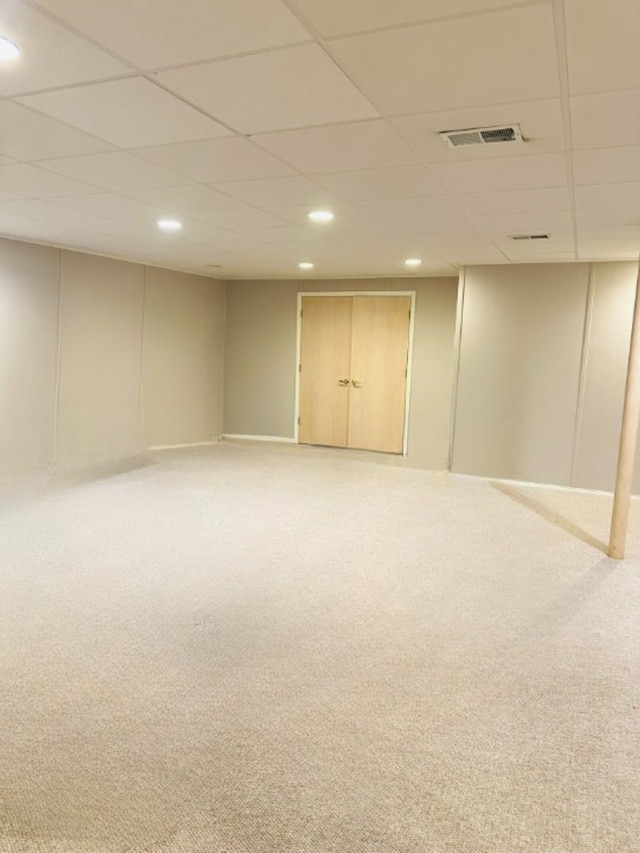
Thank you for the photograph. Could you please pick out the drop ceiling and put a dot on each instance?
(239, 117)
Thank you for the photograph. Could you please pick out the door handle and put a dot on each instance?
(356, 384)
(343, 382)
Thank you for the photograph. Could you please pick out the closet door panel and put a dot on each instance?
(379, 349)
(325, 370)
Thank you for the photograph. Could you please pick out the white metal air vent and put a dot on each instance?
(528, 236)
(482, 135)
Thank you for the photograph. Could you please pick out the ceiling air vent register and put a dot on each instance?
(482, 135)
(528, 236)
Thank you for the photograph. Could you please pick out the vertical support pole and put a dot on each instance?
(628, 440)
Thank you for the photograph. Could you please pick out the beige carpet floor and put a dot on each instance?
(253, 649)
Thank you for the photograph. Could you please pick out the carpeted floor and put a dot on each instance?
(253, 649)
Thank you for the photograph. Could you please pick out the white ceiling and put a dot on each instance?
(238, 117)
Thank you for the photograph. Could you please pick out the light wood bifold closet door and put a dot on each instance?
(325, 358)
(353, 367)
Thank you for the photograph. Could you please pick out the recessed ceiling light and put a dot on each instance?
(169, 225)
(321, 216)
(412, 262)
(8, 50)
(305, 265)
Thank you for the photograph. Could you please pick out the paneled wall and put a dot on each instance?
(609, 334)
(80, 337)
(260, 361)
(542, 367)
(260, 358)
(519, 372)
(183, 358)
(29, 308)
(100, 361)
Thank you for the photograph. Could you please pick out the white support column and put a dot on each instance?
(628, 440)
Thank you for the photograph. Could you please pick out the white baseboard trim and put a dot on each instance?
(528, 484)
(181, 446)
(276, 438)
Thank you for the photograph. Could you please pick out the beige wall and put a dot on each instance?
(543, 359)
(519, 371)
(101, 358)
(100, 351)
(183, 358)
(260, 359)
(29, 302)
(72, 368)
(605, 375)
(431, 387)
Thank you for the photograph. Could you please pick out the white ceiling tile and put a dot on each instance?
(210, 235)
(399, 209)
(29, 136)
(305, 87)
(626, 195)
(111, 206)
(607, 256)
(129, 113)
(534, 248)
(524, 223)
(160, 33)
(508, 173)
(209, 161)
(395, 182)
(192, 200)
(540, 123)
(53, 217)
(307, 232)
(5, 196)
(52, 56)
(460, 64)
(607, 120)
(609, 217)
(335, 17)
(534, 257)
(278, 192)
(607, 251)
(338, 148)
(340, 249)
(25, 179)
(602, 45)
(433, 231)
(298, 215)
(287, 234)
(498, 57)
(117, 170)
(441, 240)
(515, 201)
(609, 232)
(606, 165)
(472, 255)
(241, 218)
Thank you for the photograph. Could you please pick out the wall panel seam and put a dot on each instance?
(582, 376)
(141, 437)
(56, 400)
(457, 348)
